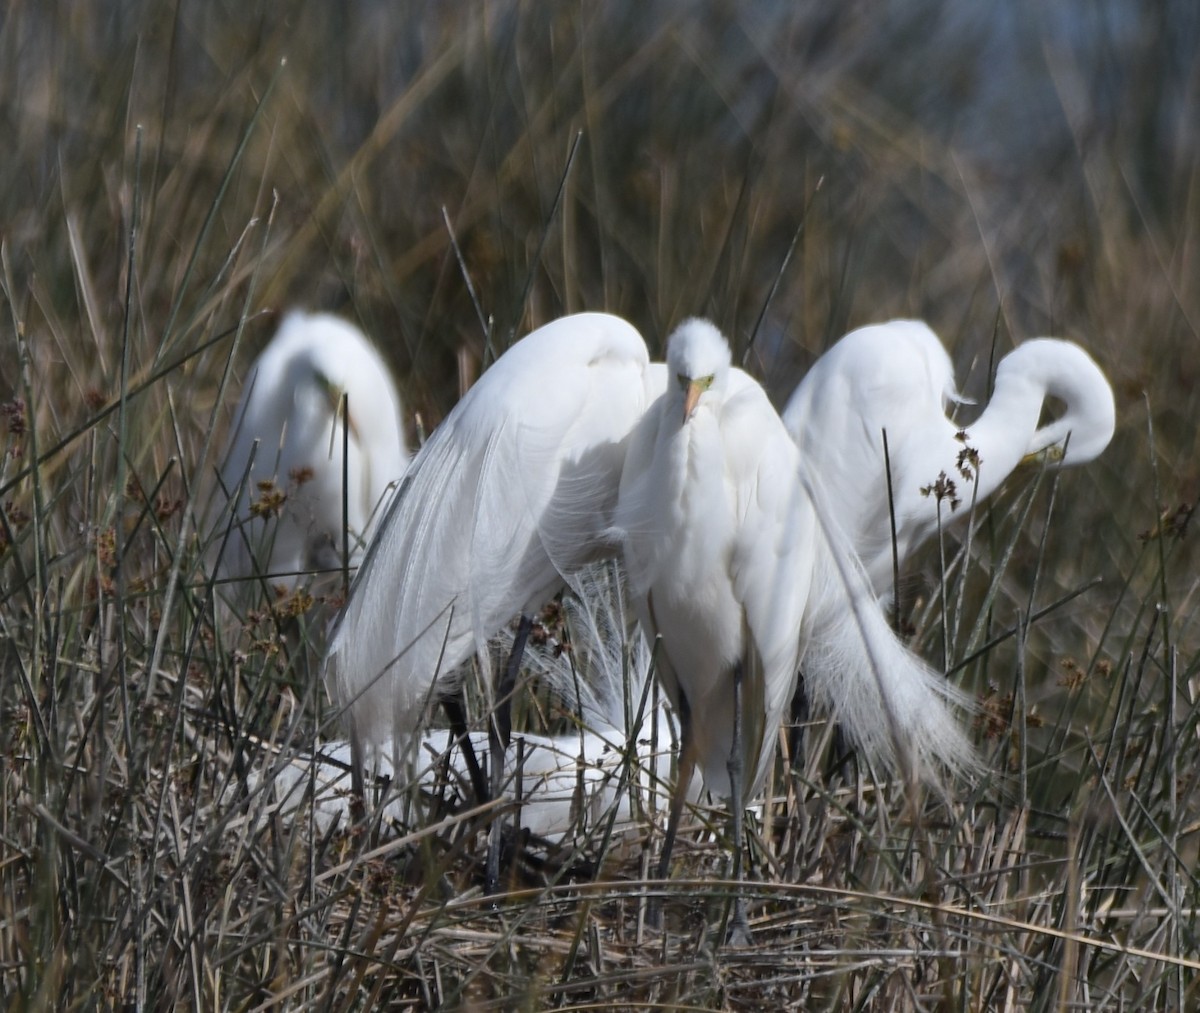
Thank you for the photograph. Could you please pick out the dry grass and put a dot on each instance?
(169, 182)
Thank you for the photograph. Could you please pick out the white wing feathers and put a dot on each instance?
(507, 497)
(896, 709)
(900, 712)
(769, 562)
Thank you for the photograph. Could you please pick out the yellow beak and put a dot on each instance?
(1052, 454)
(691, 397)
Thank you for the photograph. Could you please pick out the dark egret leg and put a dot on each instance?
(358, 786)
(842, 756)
(841, 751)
(453, 707)
(499, 734)
(683, 778)
(739, 931)
(800, 714)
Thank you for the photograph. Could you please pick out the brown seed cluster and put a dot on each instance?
(942, 489)
(13, 413)
(270, 500)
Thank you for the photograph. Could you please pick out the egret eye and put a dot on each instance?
(703, 382)
(327, 387)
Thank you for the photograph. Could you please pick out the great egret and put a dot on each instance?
(285, 458)
(897, 376)
(735, 571)
(711, 510)
(508, 497)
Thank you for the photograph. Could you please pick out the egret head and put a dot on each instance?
(320, 374)
(698, 357)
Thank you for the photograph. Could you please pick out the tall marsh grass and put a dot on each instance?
(449, 176)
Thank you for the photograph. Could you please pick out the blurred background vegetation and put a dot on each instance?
(174, 175)
(998, 169)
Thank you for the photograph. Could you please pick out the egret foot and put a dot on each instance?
(739, 928)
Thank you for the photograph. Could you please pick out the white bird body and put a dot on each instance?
(565, 782)
(714, 529)
(897, 376)
(731, 562)
(867, 381)
(509, 496)
(288, 429)
(741, 579)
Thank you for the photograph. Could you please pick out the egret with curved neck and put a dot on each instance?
(897, 377)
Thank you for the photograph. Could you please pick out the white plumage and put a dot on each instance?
(741, 579)
(733, 565)
(509, 496)
(518, 490)
(717, 544)
(897, 376)
(288, 430)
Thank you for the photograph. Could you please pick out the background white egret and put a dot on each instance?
(289, 429)
(897, 376)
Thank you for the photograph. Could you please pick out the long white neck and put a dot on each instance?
(1004, 431)
(1068, 373)
(1008, 429)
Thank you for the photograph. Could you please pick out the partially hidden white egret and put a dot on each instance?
(897, 376)
(733, 569)
(568, 783)
(318, 384)
(565, 785)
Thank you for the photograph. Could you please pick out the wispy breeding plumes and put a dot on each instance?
(509, 496)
